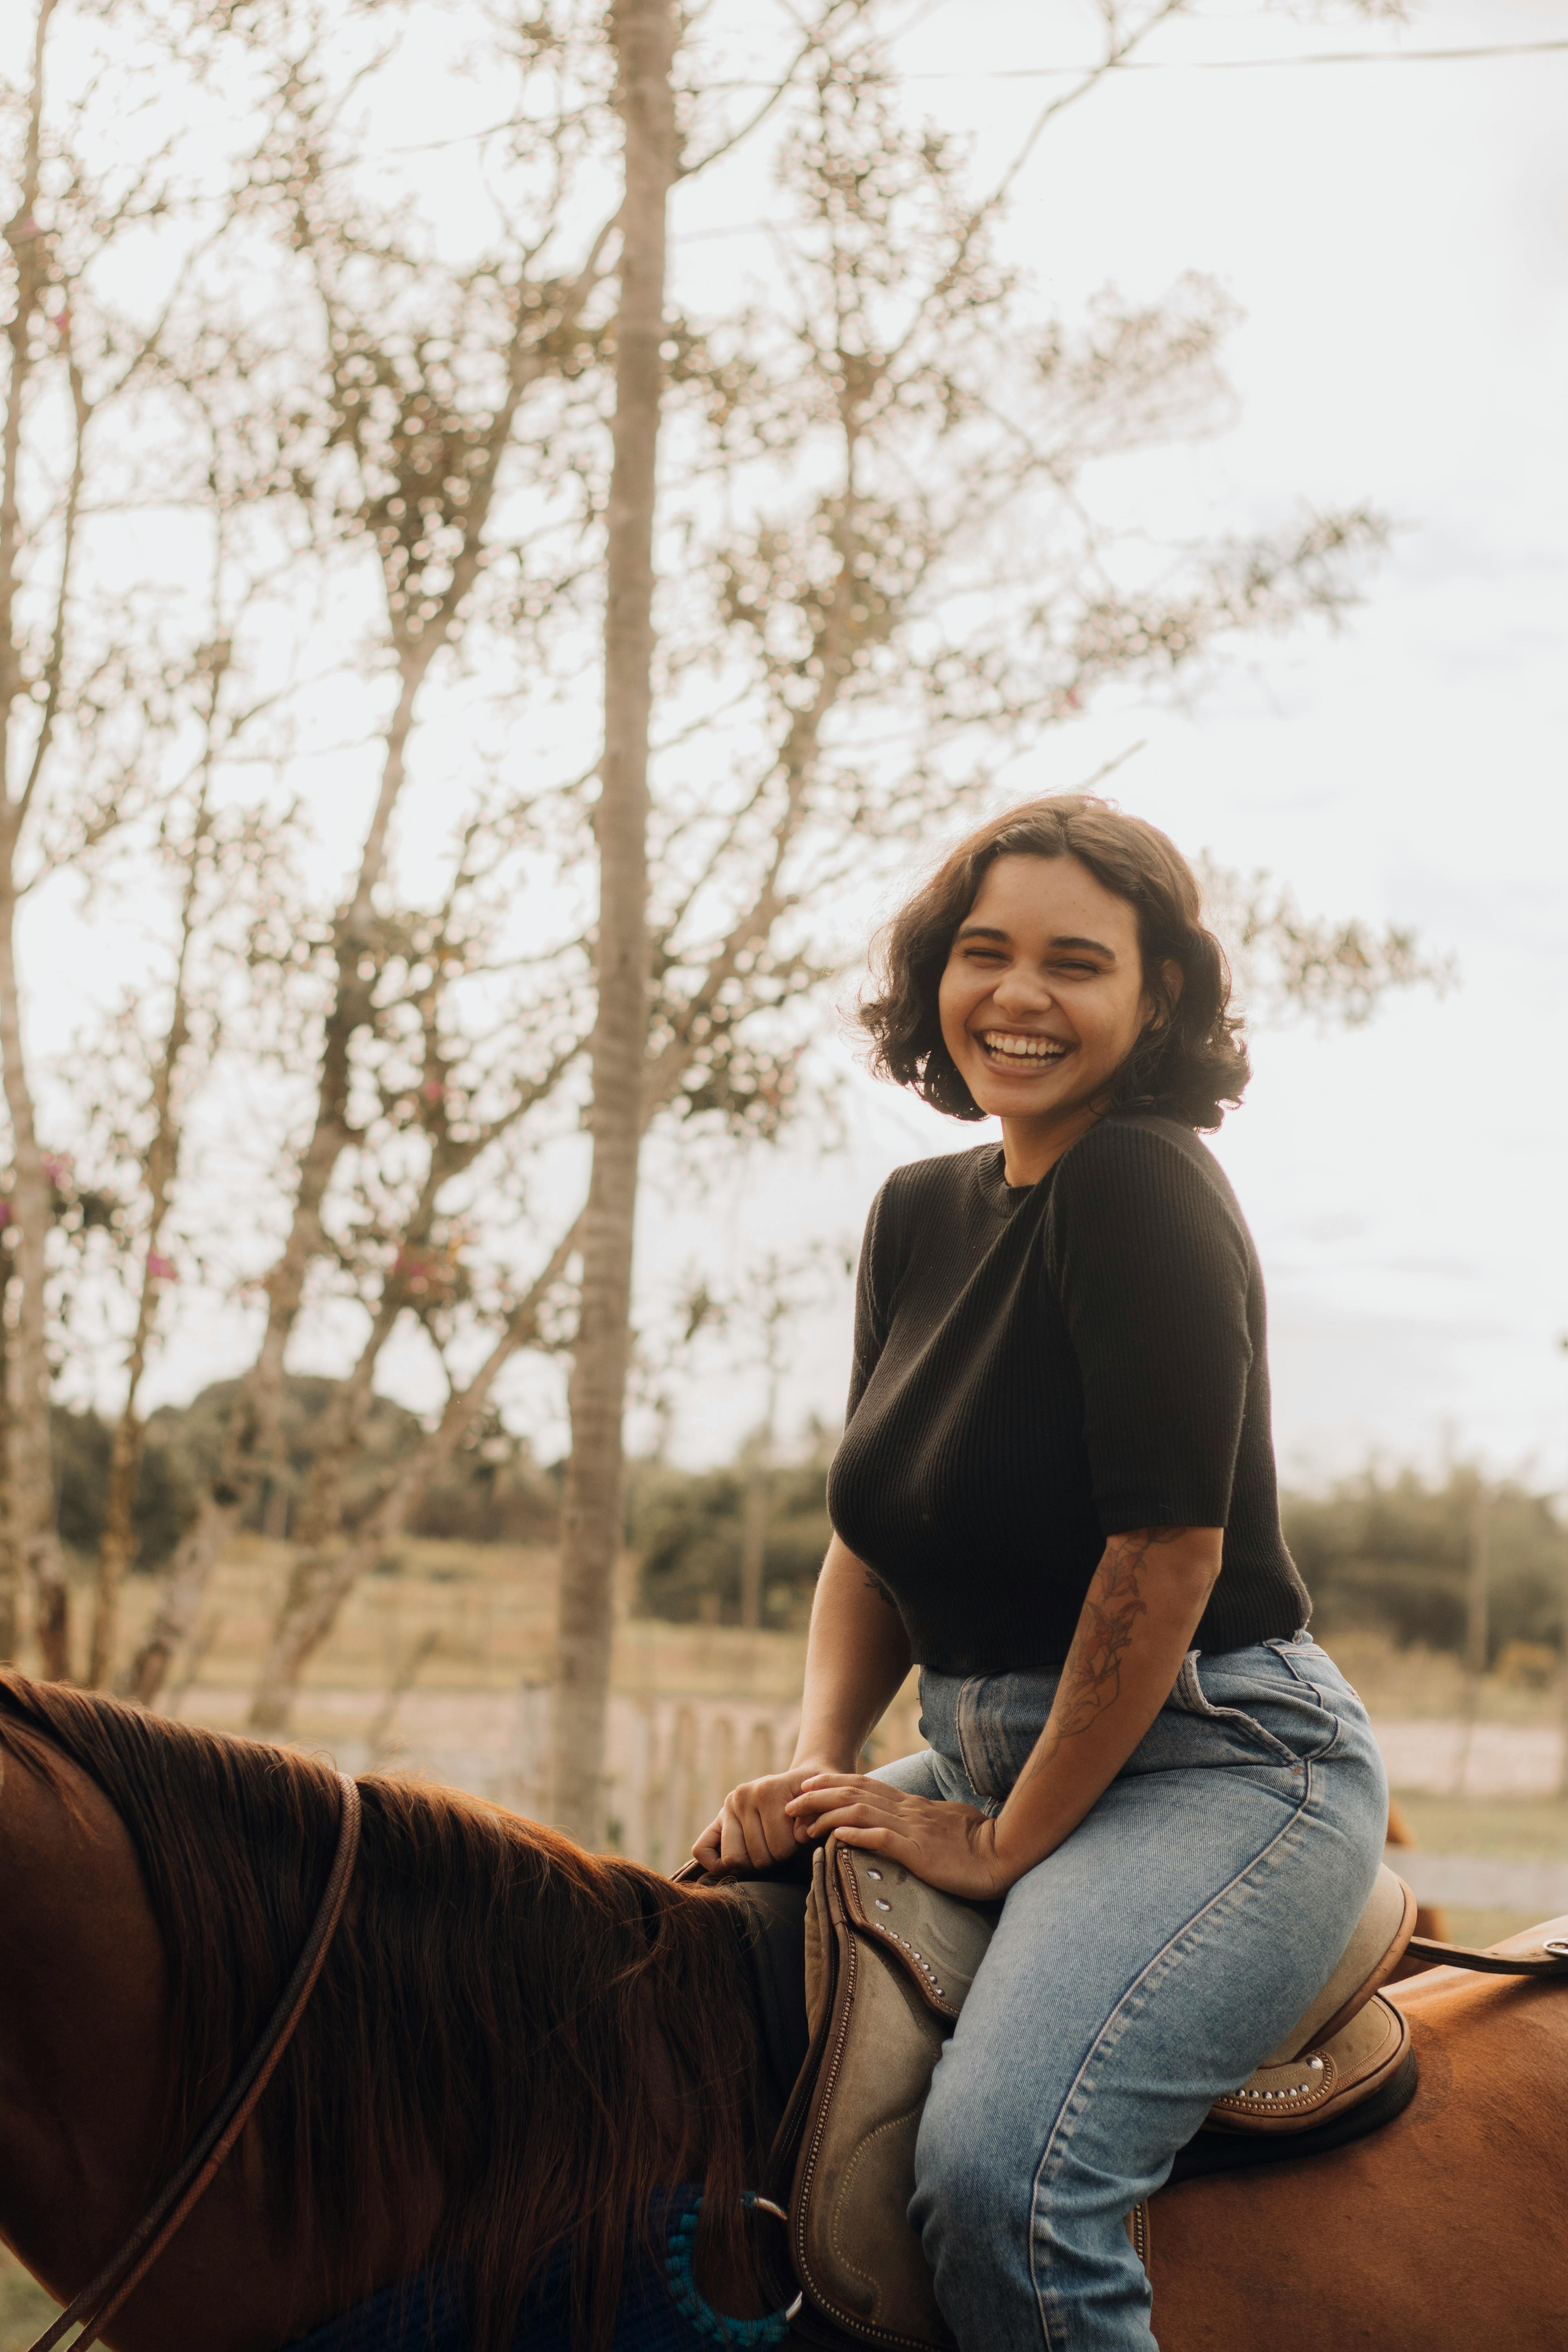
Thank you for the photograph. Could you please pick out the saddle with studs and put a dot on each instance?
(889, 1963)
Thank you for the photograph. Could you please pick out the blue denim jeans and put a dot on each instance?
(1143, 1970)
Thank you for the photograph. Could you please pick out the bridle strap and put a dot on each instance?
(98, 2301)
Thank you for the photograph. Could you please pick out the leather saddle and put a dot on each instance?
(861, 1976)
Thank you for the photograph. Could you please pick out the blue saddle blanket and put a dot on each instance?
(427, 2314)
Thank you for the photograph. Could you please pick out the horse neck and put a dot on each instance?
(84, 2023)
(85, 2059)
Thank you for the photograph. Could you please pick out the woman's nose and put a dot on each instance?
(1020, 991)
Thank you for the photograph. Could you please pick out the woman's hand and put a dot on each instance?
(754, 1830)
(948, 1845)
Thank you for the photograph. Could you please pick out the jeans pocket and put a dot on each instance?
(1309, 1663)
(1255, 1697)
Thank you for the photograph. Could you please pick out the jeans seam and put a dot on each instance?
(1058, 2132)
(971, 1733)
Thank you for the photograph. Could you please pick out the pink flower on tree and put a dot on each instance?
(160, 1269)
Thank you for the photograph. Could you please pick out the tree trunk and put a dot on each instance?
(644, 33)
(10, 1564)
(754, 1538)
(33, 1546)
(31, 1463)
(116, 1542)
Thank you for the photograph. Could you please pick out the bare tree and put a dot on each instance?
(134, 1082)
(408, 1254)
(1289, 963)
(425, 384)
(159, 1165)
(84, 705)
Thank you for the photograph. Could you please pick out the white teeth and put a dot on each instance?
(1022, 1049)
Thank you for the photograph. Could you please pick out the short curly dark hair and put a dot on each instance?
(1190, 1063)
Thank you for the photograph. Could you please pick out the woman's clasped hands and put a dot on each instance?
(948, 1845)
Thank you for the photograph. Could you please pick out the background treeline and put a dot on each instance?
(1390, 1551)
(493, 1493)
(1386, 1551)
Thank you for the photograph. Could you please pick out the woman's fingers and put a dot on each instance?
(706, 1850)
(882, 1838)
(734, 1846)
(759, 1826)
(755, 1831)
(823, 1794)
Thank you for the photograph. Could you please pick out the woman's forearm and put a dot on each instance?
(1135, 1627)
(857, 1655)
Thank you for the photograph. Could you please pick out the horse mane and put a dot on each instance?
(513, 2047)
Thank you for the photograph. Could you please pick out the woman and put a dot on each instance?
(1056, 1494)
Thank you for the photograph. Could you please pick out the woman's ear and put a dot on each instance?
(1172, 975)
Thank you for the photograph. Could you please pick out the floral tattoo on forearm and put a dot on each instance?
(1091, 1678)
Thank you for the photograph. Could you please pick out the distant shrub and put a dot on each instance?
(688, 1527)
(493, 1493)
(1391, 1551)
(165, 1494)
(1386, 1552)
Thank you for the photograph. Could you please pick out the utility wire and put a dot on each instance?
(1128, 65)
(1214, 65)
(1246, 65)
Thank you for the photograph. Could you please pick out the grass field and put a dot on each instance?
(1512, 1829)
(24, 2309)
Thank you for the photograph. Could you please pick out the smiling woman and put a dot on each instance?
(1108, 914)
(1056, 1494)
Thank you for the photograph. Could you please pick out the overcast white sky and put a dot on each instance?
(1395, 236)
(1398, 237)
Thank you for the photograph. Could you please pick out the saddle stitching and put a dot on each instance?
(892, 2124)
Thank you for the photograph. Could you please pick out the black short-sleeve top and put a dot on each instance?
(1038, 1368)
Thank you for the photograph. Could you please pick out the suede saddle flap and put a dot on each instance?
(889, 1964)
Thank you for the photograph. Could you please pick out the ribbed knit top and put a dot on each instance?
(1038, 1368)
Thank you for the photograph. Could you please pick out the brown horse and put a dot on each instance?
(513, 2045)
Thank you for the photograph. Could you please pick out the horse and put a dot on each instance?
(516, 2049)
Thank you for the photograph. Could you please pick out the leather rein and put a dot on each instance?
(98, 2301)
(1551, 1961)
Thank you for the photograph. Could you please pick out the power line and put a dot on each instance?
(1214, 65)
(1127, 65)
(1243, 65)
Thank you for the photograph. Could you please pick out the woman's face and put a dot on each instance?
(1042, 1001)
